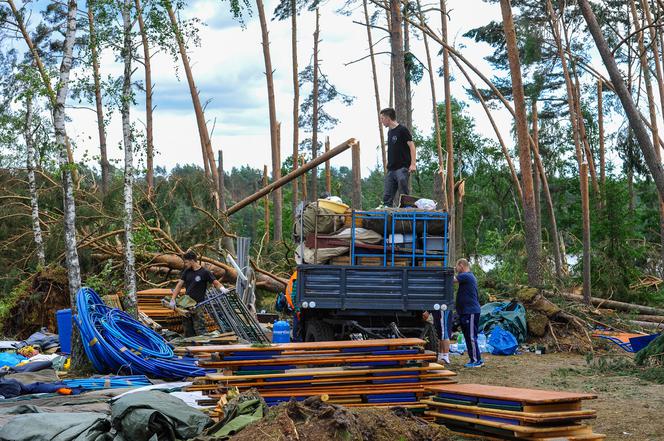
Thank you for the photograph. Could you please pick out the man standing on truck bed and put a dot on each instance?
(195, 279)
(401, 158)
(468, 308)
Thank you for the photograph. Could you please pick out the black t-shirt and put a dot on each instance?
(196, 282)
(398, 152)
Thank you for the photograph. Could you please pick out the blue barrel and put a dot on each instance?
(281, 332)
(63, 318)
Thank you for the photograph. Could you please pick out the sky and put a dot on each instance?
(228, 68)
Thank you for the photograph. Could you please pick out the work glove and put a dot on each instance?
(224, 290)
(172, 303)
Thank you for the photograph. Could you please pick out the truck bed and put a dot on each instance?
(347, 288)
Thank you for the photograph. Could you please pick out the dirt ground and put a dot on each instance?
(628, 408)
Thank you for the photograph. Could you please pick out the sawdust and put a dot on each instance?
(314, 420)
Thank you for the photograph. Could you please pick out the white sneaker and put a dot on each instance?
(444, 360)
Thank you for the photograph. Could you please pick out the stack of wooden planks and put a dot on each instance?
(149, 303)
(382, 373)
(511, 413)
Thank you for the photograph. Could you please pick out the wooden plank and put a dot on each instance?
(345, 344)
(529, 417)
(336, 380)
(322, 360)
(531, 396)
(334, 371)
(521, 431)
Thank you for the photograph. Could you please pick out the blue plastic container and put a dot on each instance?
(281, 332)
(63, 318)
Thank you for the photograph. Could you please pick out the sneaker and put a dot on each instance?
(443, 360)
(475, 364)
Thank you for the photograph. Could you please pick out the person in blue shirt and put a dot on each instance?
(468, 308)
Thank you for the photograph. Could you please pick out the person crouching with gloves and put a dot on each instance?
(195, 279)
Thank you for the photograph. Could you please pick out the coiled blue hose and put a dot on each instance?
(115, 342)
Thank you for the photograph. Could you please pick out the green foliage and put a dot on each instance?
(651, 354)
(108, 280)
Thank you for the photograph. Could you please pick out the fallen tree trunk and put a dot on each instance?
(613, 304)
(647, 325)
(225, 273)
(651, 318)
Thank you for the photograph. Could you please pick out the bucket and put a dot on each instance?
(63, 317)
(281, 332)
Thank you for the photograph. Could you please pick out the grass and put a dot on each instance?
(619, 366)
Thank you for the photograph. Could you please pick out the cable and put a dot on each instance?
(116, 342)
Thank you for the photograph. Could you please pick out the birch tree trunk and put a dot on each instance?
(149, 138)
(277, 198)
(399, 70)
(449, 136)
(632, 112)
(129, 299)
(585, 212)
(101, 127)
(226, 242)
(383, 153)
(71, 251)
(32, 184)
(530, 218)
(52, 96)
(296, 102)
(314, 124)
(204, 136)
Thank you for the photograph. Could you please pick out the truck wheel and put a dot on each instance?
(318, 330)
(430, 335)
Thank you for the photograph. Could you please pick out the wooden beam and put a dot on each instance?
(292, 175)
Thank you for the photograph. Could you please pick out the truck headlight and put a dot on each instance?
(305, 304)
(312, 304)
(436, 307)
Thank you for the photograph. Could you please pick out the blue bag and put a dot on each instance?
(10, 359)
(503, 342)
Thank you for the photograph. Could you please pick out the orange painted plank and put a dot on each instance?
(531, 396)
(345, 344)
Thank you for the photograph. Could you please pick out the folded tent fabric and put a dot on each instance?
(83, 426)
(142, 415)
(511, 316)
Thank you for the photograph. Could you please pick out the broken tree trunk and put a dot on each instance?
(632, 112)
(613, 304)
(266, 207)
(314, 118)
(296, 100)
(449, 138)
(328, 171)
(204, 136)
(436, 118)
(275, 146)
(398, 67)
(530, 218)
(383, 153)
(101, 125)
(149, 138)
(290, 176)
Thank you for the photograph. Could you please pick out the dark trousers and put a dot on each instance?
(194, 324)
(395, 180)
(470, 326)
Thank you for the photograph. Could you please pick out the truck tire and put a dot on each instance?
(430, 335)
(318, 330)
